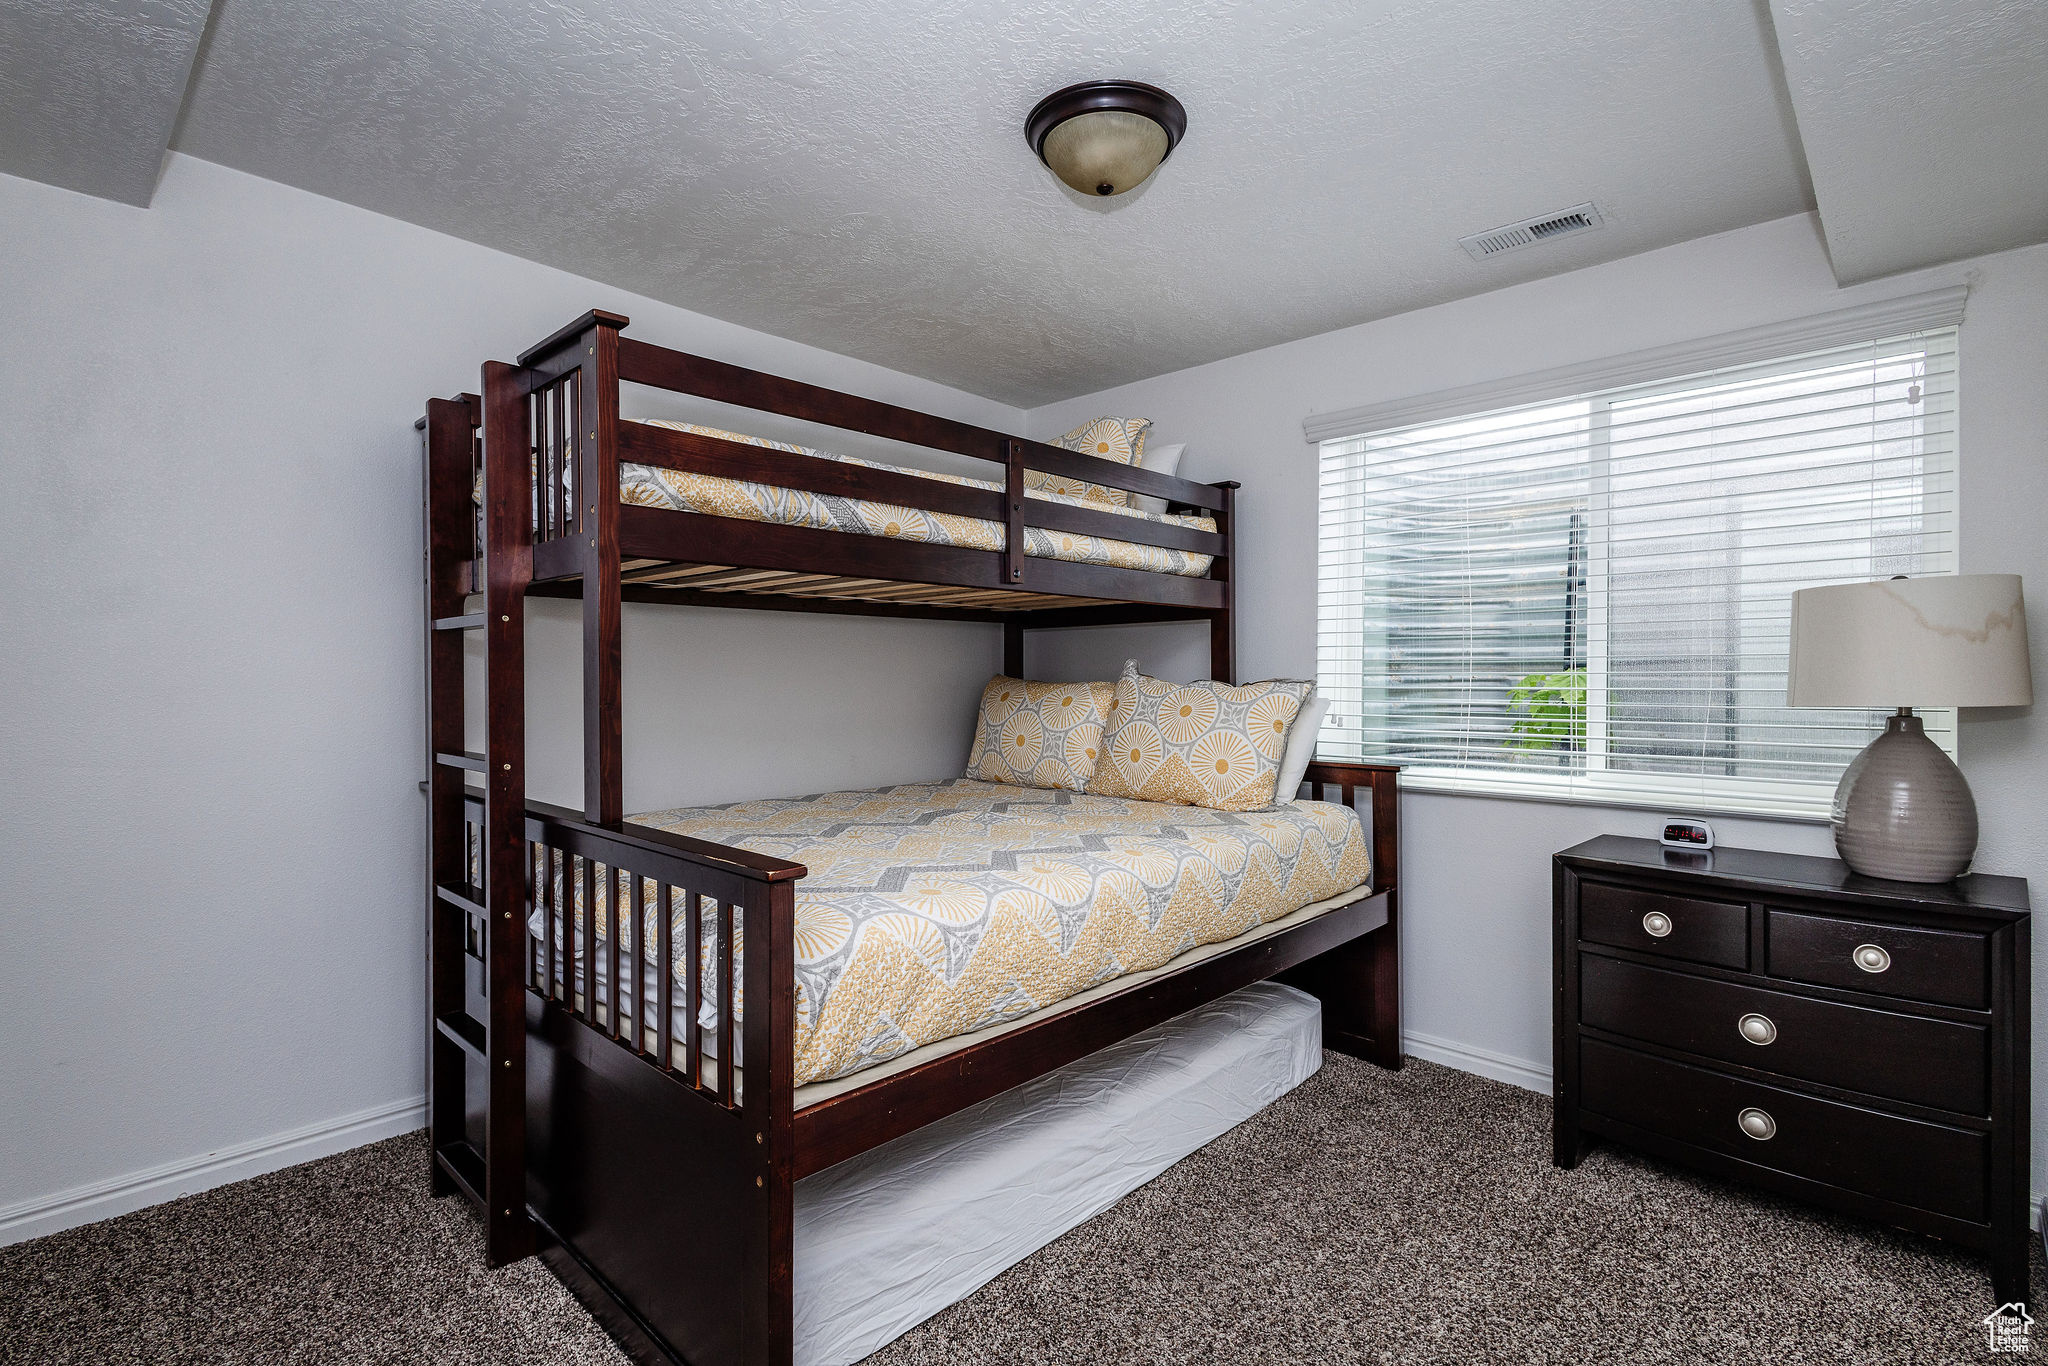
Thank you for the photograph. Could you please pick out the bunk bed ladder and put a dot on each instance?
(476, 835)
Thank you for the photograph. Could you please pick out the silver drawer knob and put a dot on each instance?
(1756, 1124)
(1871, 958)
(1758, 1029)
(1656, 924)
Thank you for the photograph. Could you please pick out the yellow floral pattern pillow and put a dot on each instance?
(1121, 439)
(1039, 734)
(1197, 744)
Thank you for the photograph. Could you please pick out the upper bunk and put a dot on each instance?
(777, 526)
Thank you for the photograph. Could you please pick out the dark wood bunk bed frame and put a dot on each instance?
(662, 1194)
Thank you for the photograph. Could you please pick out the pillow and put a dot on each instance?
(1039, 734)
(1160, 460)
(1121, 439)
(1197, 744)
(1301, 747)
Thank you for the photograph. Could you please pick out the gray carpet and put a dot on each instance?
(1367, 1217)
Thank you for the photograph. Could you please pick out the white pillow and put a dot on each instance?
(1301, 747)
(1160, 460)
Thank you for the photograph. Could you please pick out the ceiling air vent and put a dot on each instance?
(1530, 231)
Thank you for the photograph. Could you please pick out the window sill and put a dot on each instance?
(1796, 803)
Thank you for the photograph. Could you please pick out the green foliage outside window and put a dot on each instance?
(1552, 711)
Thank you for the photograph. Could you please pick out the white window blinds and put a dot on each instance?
(1589, 598)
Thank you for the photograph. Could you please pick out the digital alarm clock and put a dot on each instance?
(1683, 834)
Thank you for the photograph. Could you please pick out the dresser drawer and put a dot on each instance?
(1877, 1052)
(1952, 967)
(1674, 926)
(1929, 1166)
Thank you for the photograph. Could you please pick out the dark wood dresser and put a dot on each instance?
(1780, 1020)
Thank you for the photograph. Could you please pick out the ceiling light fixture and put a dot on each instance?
(1106, 137)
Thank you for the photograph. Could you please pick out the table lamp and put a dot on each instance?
(1902, 810)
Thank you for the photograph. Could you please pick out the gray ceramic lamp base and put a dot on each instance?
(1903, 811)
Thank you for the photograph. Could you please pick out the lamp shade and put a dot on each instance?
(1948, 641)
(1106, 137)
(1106, 151)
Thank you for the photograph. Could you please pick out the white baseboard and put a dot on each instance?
(89, 1204)
(1530, 1076)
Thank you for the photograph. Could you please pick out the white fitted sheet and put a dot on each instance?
(888, 1238)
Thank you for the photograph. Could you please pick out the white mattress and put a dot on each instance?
(886, 1239)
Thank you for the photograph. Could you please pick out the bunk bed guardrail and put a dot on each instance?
(570, 387)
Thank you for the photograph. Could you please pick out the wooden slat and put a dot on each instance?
(680, 372)
(1132, 478)
(612, 878)
(465, 1166)
(553, 505)
(693, 928)
(461, 899)
(664, 985)
(725, 1002)
(642, 444)
(464, 1030)
(1117, 526)
(552, 925)
(638, 971)
(1107, 614)
(774, 602)
(1013, 512)
(589, 932)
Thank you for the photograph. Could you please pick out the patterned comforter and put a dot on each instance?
(938, 909)
(683, 491)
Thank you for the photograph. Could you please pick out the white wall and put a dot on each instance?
(210, 694)
(1475, 871)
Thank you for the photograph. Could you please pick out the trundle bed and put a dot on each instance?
(598, 1084)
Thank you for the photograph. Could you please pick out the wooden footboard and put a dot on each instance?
(659, 1156)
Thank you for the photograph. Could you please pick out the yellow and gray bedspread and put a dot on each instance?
(684, 491)
(934, 910)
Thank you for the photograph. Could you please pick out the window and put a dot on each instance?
(1589, 598)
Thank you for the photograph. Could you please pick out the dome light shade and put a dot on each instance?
(1106, 137)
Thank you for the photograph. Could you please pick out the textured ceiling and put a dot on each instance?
(89, 90)
(1926, 126)
(854, 174)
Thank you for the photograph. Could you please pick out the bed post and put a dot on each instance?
(508, 570)
(597, 485)
(768, 1104)
(1359, 983)
(1223, 622)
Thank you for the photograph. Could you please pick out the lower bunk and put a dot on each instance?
(714, 1205)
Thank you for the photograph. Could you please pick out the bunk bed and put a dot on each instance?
(598, 1085)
